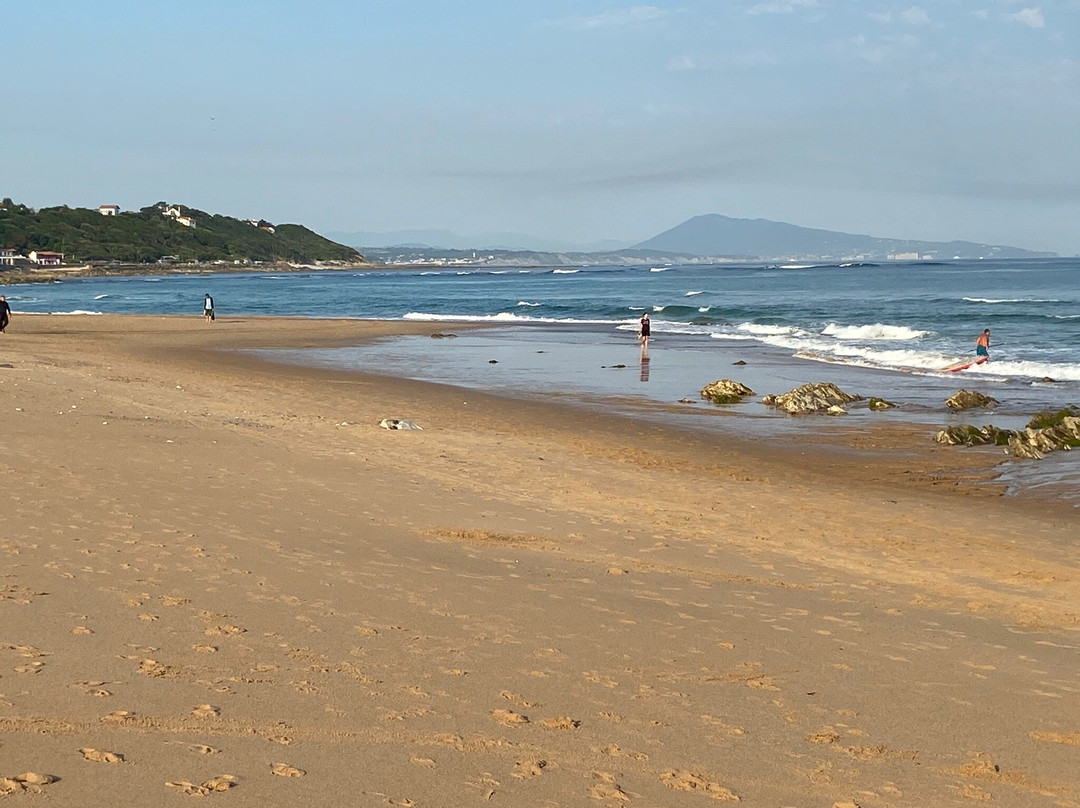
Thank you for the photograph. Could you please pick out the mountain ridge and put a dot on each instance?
(712, 234)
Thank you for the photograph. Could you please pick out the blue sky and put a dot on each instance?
(567, 120)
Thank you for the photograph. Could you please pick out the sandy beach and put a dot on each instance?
(222, 579)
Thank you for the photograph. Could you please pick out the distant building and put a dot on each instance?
(108, 210)
(44, 258)
(904, 256)
(175, 212)
(7, 257)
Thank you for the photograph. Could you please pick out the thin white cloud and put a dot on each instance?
(615, 18)
(780, 7)
(915, 16)
(885, 17)
(1031, 17)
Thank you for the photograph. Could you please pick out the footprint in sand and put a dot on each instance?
(197, 748)
(606, 788)
(25, 782)
(526, 769)
(223, 782)
(508, 718)
(682, 780)
(285, 770)
(82, 630)
(562, 722)
(1065, 739)
(614, 750)
(101, 756)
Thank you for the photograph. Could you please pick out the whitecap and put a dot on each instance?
(100, 297)
(704, 309)
(994, 300)
(692, 294)
(659, 269)
(877, 331)
(527, 303)
(565, 271)
(502, 317)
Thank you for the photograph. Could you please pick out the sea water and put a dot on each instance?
(886, 329)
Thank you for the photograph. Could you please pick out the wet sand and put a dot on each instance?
(222, 578)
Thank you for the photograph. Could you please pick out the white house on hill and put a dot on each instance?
(108, 210)
(45, 258)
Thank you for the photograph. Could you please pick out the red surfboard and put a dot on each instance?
(965, 365)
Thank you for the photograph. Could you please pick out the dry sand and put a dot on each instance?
(222, 579)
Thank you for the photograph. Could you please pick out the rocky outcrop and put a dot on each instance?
(879, 404)
(969, 399)
(1045, 433)
(725, 391)
(818, 397)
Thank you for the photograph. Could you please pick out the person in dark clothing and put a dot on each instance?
(644, 329)
(5, 313)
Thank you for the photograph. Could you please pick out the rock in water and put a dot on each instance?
(817, 397)
(879, 404)
(725, 391)
(968, 399)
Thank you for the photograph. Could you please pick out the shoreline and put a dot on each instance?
(218, 564)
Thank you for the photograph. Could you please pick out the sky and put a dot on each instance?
(568, 120)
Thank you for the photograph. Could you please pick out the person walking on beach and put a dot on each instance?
(5, 313)
(644, 329)
(208, 307)
(982, 345)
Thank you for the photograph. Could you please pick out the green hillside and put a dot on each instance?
(148, 236)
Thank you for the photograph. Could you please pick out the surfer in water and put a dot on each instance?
(644, 330)
(982, 345)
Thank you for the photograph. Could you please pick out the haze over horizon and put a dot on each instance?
(566, 120)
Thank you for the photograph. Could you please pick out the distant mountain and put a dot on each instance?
(161, 232)
(445, 240)
(722, 236)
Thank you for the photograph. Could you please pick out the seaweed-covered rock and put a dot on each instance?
(817, 397)
(1061, 433)
(968, 435)
(969, 399)
(879, 404)
(1047, 419)
(725, 391)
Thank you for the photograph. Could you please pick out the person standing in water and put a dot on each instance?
(982, 345)
(644, 329)
(208, 307)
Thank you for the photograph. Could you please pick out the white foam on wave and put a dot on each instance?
(877, 331)
(100, 297)
(764, 329)
(658, 308)
(527, 303)
(994, 300)
(431, 272)
(693, 294)
(502, 317)
(796, 266)
(1058, 371)
(565, 271)
(704, 309)
(64, 313)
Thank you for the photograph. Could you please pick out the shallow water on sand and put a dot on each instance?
(604, 370)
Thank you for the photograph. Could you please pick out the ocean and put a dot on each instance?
(885, 330)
